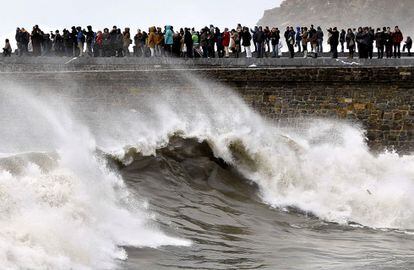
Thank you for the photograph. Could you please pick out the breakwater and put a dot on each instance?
(376, 94)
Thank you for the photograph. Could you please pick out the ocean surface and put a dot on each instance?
(192, 179)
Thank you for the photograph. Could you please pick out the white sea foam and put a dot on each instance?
(74, 215)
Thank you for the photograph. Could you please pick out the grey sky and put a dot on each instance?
(52, 15)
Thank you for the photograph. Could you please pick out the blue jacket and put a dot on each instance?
(298, 36)
(80, 37)
(168, 37)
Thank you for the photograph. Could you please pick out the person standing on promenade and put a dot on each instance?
(98, 45)
(319, 34)
(90, 39)
(304, 37)
(226, 42)
(254, 31)
(58, 46)
(151, 40)
(247, 42)
(188, 41)
(298, 38)
(235, 37)
(216, 38)
(342, 40)
(106, 43)
(359, 39)
(275, 38)
(18, 38)
(203, 42)
(113, 36)
(139, 40)
(168, 39)
(127, 41)
(397, 37)
(67, 43)
(260, 39)
(37, 38)
(365, 43)
(371, 39)
(74, 38)
(196, 43)
(266, 44)
(80, 40)
(388, 42)
(313, 39)
(25, 39)
(159, 45)
(119, 43)
(334, 40)
(379, 43)
(7, 50)
(46, 44)
(290, 40)
(350, 42)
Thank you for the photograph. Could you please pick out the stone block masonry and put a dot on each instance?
(380, 98)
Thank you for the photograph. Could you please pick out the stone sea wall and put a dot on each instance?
(379, 98)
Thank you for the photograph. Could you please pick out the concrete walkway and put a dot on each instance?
(10, 64)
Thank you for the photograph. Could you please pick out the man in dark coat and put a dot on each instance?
(218, 38)
(90, 38)
(74, 38)
(397, 38)
(371, 38)
(253, 31)
(113, 37)
(24, 39)
(379, 42)
(342, 40)
(246, 41)
(274, 38)
(37, 38)
(388, 42)
(260, 37)
(67, 43)
(290, 40)
(188, 41)
(18, 38)
(334, 41)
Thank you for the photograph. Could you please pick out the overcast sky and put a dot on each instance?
(52, 15)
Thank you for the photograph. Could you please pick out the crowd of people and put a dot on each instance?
(209, 42)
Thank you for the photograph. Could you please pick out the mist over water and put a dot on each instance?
(195, 163)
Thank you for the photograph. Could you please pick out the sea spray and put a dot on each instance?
(74, 215)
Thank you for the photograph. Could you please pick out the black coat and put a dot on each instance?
(334, 41)
(188, 39)
(275, 37)
(260, 36)
(247, 38)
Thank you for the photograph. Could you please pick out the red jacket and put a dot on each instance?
(397, 37)
(226, 39)
(99, 40)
